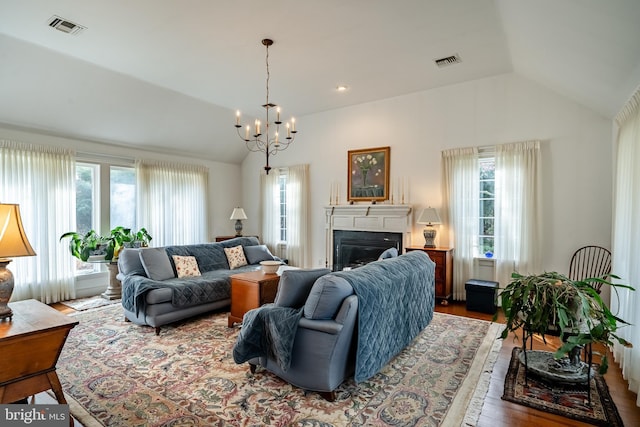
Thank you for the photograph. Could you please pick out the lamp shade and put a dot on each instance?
(13, 240)
(429, 216)
(238, 213)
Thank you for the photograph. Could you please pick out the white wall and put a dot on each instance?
(224, 179)
(577, 154)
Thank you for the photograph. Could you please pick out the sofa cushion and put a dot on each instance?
(186, 266)
(295, 285)
(325, 297)
(257, 253)
(129, 262)
(156, 263)
(235, 257)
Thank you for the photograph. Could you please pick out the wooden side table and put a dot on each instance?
(443, 257)
(251, 290)
(30, 346)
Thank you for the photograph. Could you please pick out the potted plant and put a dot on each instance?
(123, 237)
(553, 304)
(91, 244)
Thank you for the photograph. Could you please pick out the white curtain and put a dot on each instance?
(297, 212)
(518, 210)
(270, 201)
(298, 216)
(172, 202)
(42, 181)
(626, 239)
(461, 184)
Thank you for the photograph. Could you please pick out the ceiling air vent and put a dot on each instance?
(65, 26)
(449, 60)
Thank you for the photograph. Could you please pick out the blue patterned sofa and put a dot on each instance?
(328, 326)
(153, 295)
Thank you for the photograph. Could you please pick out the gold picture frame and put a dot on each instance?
(368, 174)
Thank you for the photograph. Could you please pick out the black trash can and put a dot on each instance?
(482, 295)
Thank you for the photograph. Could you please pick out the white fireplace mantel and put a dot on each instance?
(378, 217)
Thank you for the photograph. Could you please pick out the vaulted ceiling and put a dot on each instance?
(168, 75)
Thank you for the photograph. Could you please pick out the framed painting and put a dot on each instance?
(368, 178)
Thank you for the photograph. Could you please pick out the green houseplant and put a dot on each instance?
(123, 237)
(549, 303)
(82, 246)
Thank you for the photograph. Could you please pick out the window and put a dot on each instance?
(122, 197)
(486, 213)
(94, 210)
(282, 183)
(87, 196)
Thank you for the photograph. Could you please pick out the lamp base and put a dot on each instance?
(238, 227)
(429, 237)
(6, 289)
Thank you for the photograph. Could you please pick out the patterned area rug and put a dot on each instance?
(569, 401)
(118, 374)
(82, 304)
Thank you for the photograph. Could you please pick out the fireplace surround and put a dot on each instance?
(358, 234)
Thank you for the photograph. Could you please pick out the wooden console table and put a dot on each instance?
(30, 346)
(251, 290)
(443, 257)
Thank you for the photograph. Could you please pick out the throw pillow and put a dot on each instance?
(257, 253)
(156, 264)
(129, 262)
(235, 257)
(295, 285)
(186, 266)
(326, 297)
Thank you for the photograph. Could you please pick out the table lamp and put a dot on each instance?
(430, 217)
(238, 214)
(13, 243)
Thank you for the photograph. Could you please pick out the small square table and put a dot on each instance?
(251, 290)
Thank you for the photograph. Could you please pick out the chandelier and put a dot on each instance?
(269, 141)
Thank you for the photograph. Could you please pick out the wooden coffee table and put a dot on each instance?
(30, 346)
(251, 290)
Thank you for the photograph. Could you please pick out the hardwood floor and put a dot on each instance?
(499, 413)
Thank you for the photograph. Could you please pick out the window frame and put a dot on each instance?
(101, 212)
(486, 158)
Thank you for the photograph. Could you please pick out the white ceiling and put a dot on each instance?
(168, 75)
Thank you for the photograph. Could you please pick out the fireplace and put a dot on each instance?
(357, 234)
(356, 248)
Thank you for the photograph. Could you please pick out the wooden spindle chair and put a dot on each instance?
(588, 262)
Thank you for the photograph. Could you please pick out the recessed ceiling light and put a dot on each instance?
(342, 88)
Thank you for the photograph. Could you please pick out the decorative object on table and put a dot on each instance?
(268, 143)
(552, 304)
(429, 217)
(13, 243)
(567, 400)
(368, 174)
(238, 214)
(270, 267)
